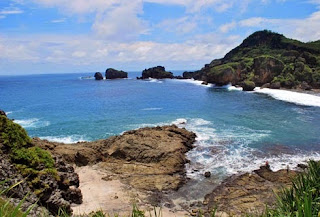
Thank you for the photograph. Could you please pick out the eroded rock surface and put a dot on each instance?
(249, 192)
(147, 158)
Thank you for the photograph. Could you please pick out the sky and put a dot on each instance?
(69, 36)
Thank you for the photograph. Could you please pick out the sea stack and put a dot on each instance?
(158, 72)
(114, 74)
(98, 76)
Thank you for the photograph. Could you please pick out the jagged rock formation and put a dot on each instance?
(147, 158)
(114, 74)
(266, 57)
(158, 72)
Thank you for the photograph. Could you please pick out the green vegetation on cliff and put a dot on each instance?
(267, 57)
(32, 162)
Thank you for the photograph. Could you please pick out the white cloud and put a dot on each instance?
(302, 29)
(62, 20)
(121, 22)
(67, 50)
(180, 25)
(227, 27)
(11, 11)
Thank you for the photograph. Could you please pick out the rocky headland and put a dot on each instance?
(265, 59)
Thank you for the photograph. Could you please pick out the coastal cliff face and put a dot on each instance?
(266, 58)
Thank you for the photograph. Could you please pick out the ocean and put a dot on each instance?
(236, 131)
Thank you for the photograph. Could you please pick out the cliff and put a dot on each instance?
(266, 58)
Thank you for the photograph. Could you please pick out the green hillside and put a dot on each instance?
(268, 58)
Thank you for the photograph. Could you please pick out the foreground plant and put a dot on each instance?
(9, 210)
(303, 198)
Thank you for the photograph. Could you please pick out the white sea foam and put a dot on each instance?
(153, 80)
(292, 97)
(86, 78)
(8, 113)
(151, 109)
(32, 123)
(227, 152)
(65, 139)
(192, 81)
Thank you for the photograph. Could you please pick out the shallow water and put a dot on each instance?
(237, 131)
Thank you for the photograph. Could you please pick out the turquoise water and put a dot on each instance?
(237, 131)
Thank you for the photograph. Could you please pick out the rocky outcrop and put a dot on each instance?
(222, 75)
(266, 68)
(47, 178)
(115, 74)
(98, 76)
(147, 158)
(249, 192)
(248, 85)
(3, 113)
(158, 72)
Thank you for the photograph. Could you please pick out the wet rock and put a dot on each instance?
(204, 83)
(115, 74)
(248, 85)
(207, 174)
(98, 76)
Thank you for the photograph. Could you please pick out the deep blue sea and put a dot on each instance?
(237, 131)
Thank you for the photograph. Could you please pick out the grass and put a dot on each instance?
(303, 198)
(9, 210)
(32, 162)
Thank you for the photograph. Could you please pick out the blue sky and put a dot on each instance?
(65, 36)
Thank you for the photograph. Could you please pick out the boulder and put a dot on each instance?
(158, 72)
(275, 85)
(114, 74)
(248, 85)
(305, 86)
(266, 68)
(267, 85)
(98, 76)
